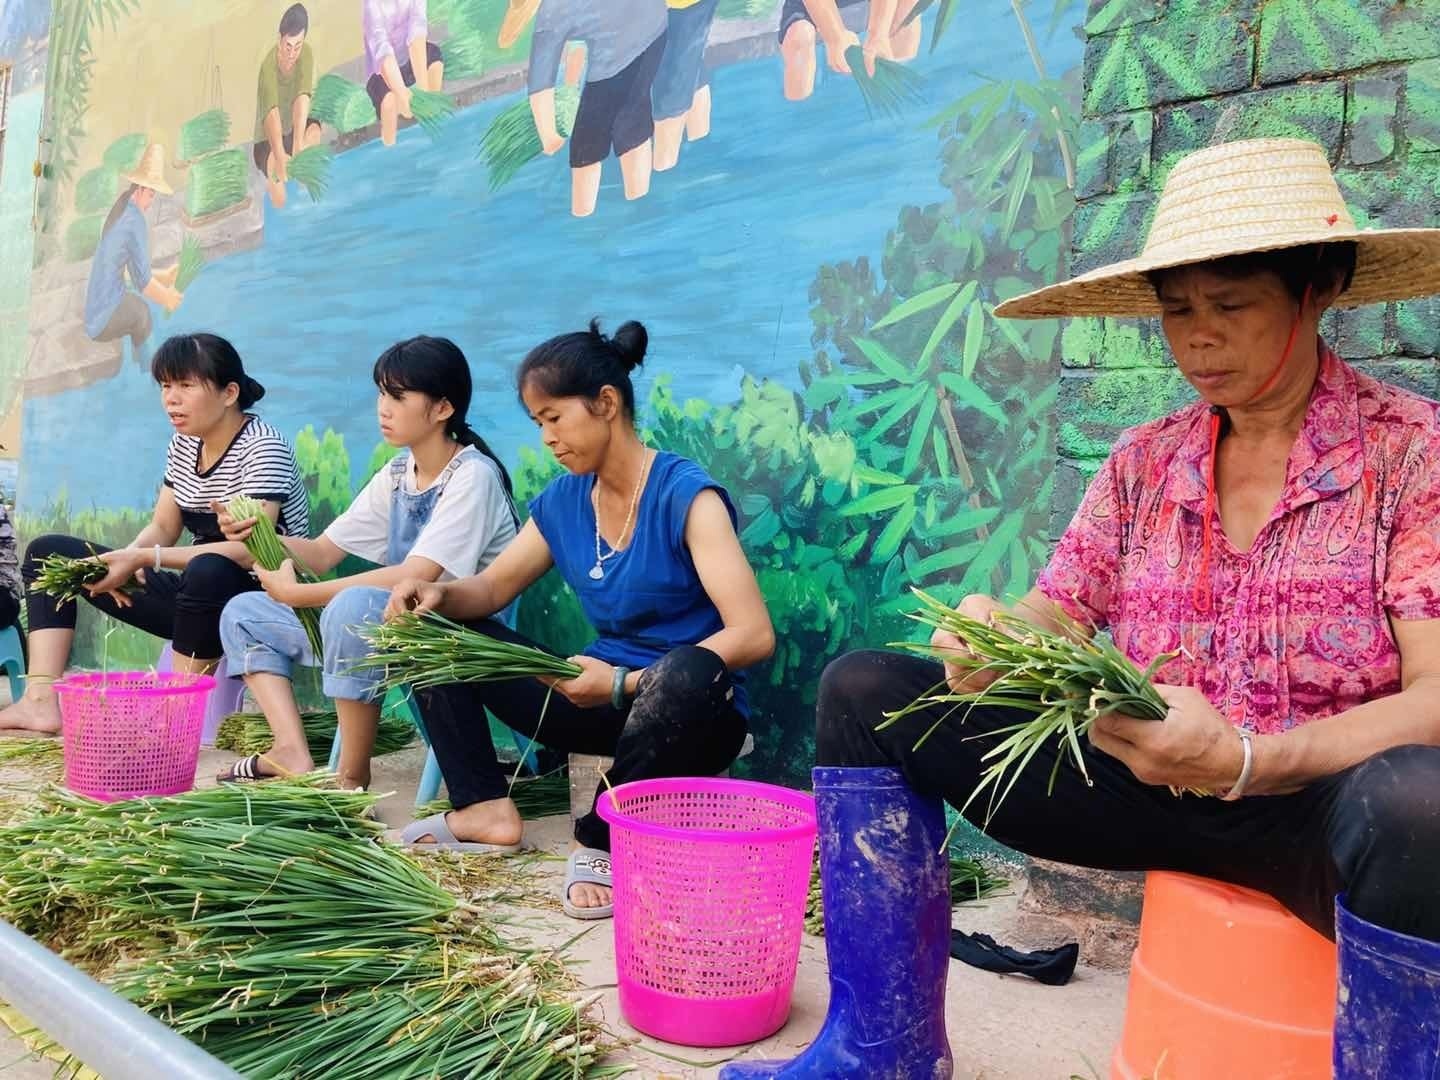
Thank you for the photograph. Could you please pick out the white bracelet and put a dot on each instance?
(1238, 790)
(157, 557)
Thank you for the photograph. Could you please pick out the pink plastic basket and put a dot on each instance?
(710, 883)
(132, 733)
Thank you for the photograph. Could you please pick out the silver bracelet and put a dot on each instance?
(157, 557)
(1237, 791)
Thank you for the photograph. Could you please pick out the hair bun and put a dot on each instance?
(630, 342)
(250, 392)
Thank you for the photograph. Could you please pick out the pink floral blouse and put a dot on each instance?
(1299, 625)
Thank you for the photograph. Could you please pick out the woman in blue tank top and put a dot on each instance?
(647, 541)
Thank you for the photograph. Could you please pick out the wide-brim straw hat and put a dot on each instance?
(150, 173)
(517, 17)
(1234, 199)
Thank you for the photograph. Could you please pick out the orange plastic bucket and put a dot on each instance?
(1225, 983)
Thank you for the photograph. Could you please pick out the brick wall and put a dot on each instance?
(1164, 77)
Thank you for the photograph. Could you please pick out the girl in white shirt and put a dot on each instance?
(442, 509)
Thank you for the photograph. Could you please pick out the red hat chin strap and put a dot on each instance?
(1203, 592)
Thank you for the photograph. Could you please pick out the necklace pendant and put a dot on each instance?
(596, 572)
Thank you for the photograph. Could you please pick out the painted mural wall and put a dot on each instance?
(24, 39)
(834, 197)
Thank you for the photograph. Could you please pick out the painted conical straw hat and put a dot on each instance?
(1234, 199)
(150, 173)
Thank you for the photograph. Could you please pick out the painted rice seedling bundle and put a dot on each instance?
(466, 55)
(511, 142)
(1063, 680)
(269, 926)
(204, 134)
(217, 181)
(311, 170)
(124, 153)
(430, 109)
(192, 261)
(82, 236)
(95, 192)
(890, 89)
(430, 650)
(342, 104)
(65, 578)
(249, 733)
(265, 548)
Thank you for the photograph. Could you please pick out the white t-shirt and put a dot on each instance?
(470, 525)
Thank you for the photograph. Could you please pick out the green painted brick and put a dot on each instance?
(1109, 228)
(1114, 154)
(1092, 159)
(1313, 111)
(1095, 409)
(1300, 38)
(1400, 197)
(1113, 343)
(1071, 480)
(1370, 120)
(1197, 49)
(1422, 107)
(1104, 16)
(1417, 326)
(1355, 333)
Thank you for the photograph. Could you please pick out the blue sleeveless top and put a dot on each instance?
(650, 600)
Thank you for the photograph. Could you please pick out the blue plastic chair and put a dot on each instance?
(402, 697)
(12, 659)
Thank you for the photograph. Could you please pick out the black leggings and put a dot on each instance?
(682, 723)
(183, 607)
(1372, 831)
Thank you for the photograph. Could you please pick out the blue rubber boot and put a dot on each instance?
(1388, 1021)
(886, 884)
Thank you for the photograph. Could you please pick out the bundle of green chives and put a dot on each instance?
(511, 141)
(43, 754)
(311, 170)
(431, 109)
(204, 134)
(265, 548)
(430, 650)
(66, 579)
(249, 733)
(969, 881)
(890, 89)
(192, 261)
(342, 104)
(1064, 681)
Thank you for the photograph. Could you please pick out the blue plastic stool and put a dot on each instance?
(12, 659)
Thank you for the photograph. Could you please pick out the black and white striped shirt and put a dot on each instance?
(258, 462)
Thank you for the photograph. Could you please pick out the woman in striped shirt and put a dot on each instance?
(218, 451)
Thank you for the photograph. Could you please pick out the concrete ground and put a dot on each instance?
(1000, 1026)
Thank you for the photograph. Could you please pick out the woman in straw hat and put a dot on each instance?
(111, 310)
(1282, 535)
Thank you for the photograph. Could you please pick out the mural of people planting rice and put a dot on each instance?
(817, 274)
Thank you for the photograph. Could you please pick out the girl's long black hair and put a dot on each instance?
(435, 367)
(205, 356)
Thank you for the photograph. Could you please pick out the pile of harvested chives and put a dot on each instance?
(268, 925)
(430, 650)
(249, 733)
(66, 579)
(1063, 680)
(265, 548)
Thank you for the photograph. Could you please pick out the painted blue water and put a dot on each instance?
(717, 261)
